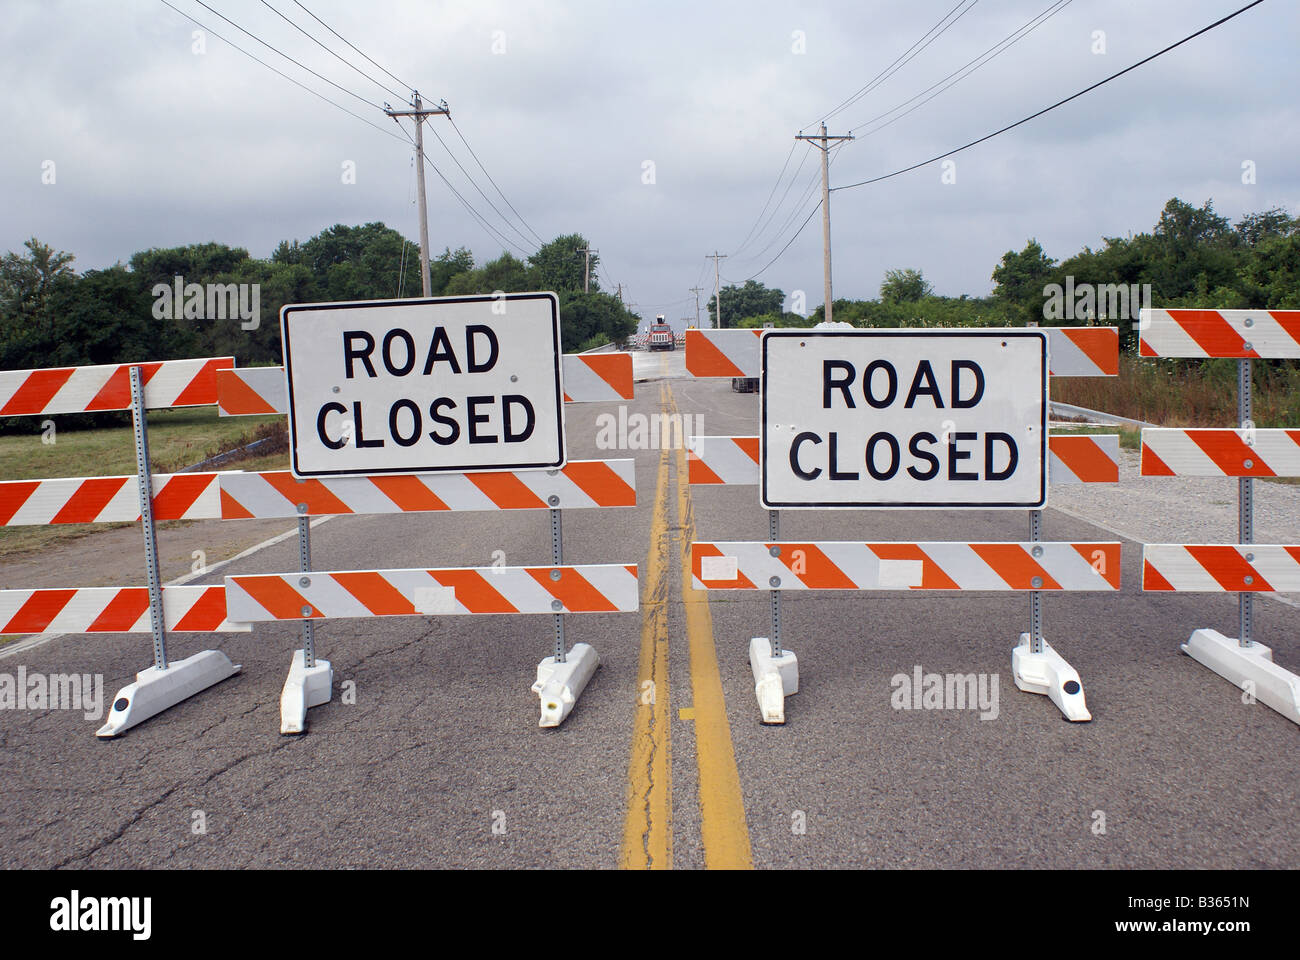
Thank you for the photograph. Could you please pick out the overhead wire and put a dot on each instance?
(400, 83)
(770, 195)
(348, 63)
(1059, 103)
(906, 57)
(535, 234)
(474, 184)
(314, 93)
(286, 56)
(1006, 43)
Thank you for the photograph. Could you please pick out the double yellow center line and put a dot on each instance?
(648, 829)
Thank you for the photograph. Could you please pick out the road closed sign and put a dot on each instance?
(904, 418)
(424, 386)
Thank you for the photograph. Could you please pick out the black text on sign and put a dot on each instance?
(452, 384)
(892, 418)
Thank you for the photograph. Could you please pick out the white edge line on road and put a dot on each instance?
(19, 646)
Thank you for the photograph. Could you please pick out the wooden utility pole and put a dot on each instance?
(717, 259)
(420, 113)
(824, 147)
(586, 267)
(697, 291)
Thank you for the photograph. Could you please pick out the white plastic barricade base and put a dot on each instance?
(560, 684)
(304, 687)
(1048, 673)
(775, 678)
(155, 690)
(1250, 668)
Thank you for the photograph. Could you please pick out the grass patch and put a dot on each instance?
(177, 439)
(1186, 393)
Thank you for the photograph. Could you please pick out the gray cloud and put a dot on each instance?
(156, 145)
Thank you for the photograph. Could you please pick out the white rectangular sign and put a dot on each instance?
(904, 418)
(424, 386)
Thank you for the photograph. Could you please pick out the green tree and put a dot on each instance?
(904, 286)
(590, 319)
(446, 266)
(27, 281)
(559, 265)
(1020, 279)
(753, 299)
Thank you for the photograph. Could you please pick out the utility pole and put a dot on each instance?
(717, 259)
(620, 293)
(824, 147)
(697, 291)
(420, 113)
(586, 267)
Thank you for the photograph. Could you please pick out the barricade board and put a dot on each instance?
(424, 386)
(889, 419)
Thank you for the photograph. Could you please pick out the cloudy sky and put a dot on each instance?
(658, 130)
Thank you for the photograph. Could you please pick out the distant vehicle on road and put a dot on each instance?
(661, 335)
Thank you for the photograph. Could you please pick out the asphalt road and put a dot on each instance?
(439, 762)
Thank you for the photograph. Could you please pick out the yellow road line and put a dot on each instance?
(723, 829)
(648, 827)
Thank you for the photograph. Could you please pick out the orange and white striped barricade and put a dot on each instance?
(1037, 668)
(167, 383)
(1245, 452)
(137, 387)
(580, 484)
(577, 378)
(556, 589)
(1074, 352)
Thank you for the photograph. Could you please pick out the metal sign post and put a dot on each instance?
(1245, 499)
(165, 684)
(774, 596)
(557, 558)
(1036, 597)
(304, 565)
(310, 682)
(144, 477)
(563, 676)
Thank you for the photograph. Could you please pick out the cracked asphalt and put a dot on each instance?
(439, 761)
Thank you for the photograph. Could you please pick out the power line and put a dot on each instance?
(493, 182)
(1003, 45)
(779, 176)
(475, 185)
(400, 83)
(329, 51)
(787, 243)
(333, 103)
(286, 56)
(1059, 103)
(492, 231)
(906, 57)
(804, 195)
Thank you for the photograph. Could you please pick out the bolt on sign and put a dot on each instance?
(424, 386)
(904, 418)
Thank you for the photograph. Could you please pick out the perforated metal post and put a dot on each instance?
(557, 558)
(774, 596)
(145, 479)
(1035, 597)
(1245, 502)
(304, 564)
